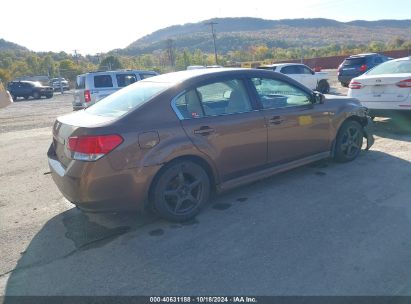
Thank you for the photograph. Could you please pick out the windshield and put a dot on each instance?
(127, 99)
(392, 67)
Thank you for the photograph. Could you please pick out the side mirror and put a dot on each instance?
(318, 97)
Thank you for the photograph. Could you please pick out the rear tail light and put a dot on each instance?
(404, 83)
(91, 148)
(355, 85)
(363, 68)
(87, 97)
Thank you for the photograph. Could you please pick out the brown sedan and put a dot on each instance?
(167, 142)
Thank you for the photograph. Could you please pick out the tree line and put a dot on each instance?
(17, 63)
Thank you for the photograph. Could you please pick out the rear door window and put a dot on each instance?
(354, 61)
(124, 80)
(103, 81)
(306, 70)
(291, 69)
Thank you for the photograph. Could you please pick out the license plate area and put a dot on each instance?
(377, 90)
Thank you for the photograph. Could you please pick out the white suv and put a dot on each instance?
(94, 86)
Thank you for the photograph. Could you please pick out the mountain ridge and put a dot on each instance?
(247, 31)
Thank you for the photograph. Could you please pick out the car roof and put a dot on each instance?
(364, 55)
(178, 77)
(117, 71)
(280, 64)
(189, 77)
(24, 81)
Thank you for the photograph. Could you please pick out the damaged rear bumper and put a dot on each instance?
(368, 133)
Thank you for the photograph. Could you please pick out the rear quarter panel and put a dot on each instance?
(158, 117)
(340, 109)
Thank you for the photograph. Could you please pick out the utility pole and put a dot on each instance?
(170, 52)
(75, 55)
(302, 54)
(61, 85)
(211, 24)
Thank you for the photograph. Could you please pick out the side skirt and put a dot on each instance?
(246, 179)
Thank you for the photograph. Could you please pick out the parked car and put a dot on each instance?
(357, 65)
(94, 86)
(384, 89)
(302, 73)
(26, 89)
(57, 84)
(167, 142)
(5, 97)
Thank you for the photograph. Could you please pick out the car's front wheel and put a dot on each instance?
(323, 86)
(349, 141)
(180, 190)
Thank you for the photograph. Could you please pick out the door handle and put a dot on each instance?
(276, 120)
(204, 130)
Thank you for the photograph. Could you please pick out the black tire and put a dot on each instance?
(345, 85)
(36, 95)
(49, 96)
(348, 142)
(323, 86)
(26, 97)
(180, 191)
(14, 97)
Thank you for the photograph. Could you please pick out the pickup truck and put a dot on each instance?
(300, 72)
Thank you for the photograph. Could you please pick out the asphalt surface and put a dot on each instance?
(324, 229)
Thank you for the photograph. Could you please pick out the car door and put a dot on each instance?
(297, 127)
(307, 77)
(222, 122)
(292, 71)
(26, 89)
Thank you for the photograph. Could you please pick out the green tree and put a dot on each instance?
(110, 63)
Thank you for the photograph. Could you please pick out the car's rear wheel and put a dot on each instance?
(349, 141)
(49, 96)
(180, 190)
(36, 95)
(323, 86)
(26, 97)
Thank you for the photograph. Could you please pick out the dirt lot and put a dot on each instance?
(324, 229)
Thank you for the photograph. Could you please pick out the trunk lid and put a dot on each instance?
(73, 124)
(383, 87)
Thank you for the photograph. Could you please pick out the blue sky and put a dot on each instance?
(99, 26)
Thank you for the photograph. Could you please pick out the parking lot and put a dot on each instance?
(323, 229)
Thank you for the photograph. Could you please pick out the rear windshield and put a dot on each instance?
(80, 82)
(266, 68)
(127, 99)
(392, 67)
(354, 61)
